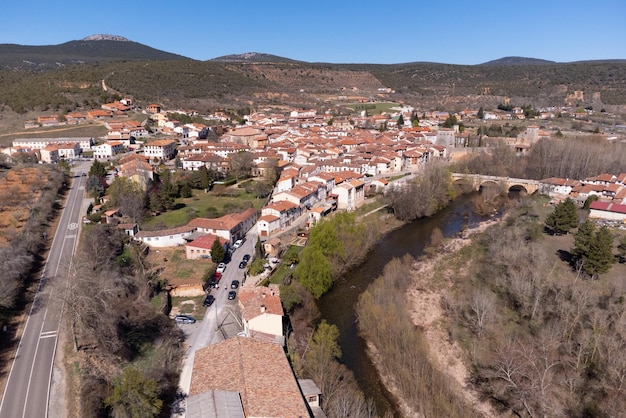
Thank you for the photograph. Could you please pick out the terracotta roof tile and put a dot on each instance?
(259, 371)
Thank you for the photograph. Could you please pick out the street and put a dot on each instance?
(221, 320)
(27, 393)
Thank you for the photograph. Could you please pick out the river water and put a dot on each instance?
(338, 305)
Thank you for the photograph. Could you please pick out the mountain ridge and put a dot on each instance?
(118, 48)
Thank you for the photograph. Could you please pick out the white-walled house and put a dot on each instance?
(262, 313)
(607, 210)
(107, 150)
(268, 225)
(201, 247)
(163, 149)
(172, 237)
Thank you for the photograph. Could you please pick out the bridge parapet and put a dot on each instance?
(477, 180)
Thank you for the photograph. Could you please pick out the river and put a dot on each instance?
(338, 305)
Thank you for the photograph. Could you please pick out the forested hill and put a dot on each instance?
(64, 76)
(47, 57)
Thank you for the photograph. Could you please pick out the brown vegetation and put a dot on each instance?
(113, 325)
(27, 197)
(538, 339)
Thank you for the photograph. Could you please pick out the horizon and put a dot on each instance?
(345, 33)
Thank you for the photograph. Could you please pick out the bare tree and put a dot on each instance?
(481, 310)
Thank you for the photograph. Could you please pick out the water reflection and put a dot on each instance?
(338, 305)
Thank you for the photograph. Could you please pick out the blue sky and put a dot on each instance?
(340, 31)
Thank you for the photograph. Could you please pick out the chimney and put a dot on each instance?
(262, 308)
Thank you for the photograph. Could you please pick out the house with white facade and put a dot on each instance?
(262, 313)
(201, 247)
(285, 211)
(268, 225)
(108, 150)
(171, 237)
(163, 149)
(350, 195)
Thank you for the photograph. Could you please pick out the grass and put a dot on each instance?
(200, 205)
(194, 308)
(368, 207)
(373, 108)
(283, 270)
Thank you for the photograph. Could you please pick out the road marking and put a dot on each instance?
(72, 226)
(48, 334)
(70, 236)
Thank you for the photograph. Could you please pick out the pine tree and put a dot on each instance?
(481, 113)
(400, 122)
(217, 251)
(600, 255)
(582, 241)
(564, 218)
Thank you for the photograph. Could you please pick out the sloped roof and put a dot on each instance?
(256, 300)
(258, 370)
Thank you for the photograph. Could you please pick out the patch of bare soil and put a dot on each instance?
(20, 189)
(425, 300)
(173, 266)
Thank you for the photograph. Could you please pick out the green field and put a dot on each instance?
(203, 205)
(373, 108)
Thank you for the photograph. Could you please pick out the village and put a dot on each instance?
(324, 163)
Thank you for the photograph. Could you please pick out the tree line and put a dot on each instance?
(545, 340)
(134, 352)
(570, 158)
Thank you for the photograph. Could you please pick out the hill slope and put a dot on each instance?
(65, 77)
(90, 49)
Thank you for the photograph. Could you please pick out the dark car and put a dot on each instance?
(243, 265)
(232, 295)
(211, 283)
(234, 284)
(246, 258)
(208, 301)
(184, 319)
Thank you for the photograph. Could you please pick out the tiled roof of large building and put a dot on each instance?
(259, 371)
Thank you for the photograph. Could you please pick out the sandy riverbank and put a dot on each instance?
(425, 302)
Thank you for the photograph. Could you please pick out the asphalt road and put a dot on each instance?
(221, 320)
(27, 393)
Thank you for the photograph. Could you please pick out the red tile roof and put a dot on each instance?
(259, 371)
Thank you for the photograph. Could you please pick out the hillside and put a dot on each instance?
(88, 50)
(69, 76)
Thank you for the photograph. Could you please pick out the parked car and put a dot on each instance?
(184, 319)
(234, 284)
(208, 301)
(212, 283)
(232, 295)
(243, 264)
(238, 243)
(220, 268)
(246, 258)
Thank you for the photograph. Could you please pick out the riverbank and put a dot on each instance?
(425, 296)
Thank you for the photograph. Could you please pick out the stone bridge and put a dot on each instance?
(476, 181)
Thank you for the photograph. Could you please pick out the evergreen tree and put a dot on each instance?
(98, 169)
(622, 248)
(600, 256)
(400, 122)
(450, 121)
(217, 251)
(481, 113)
(414, 120)
(563, 218)
(582, 241)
